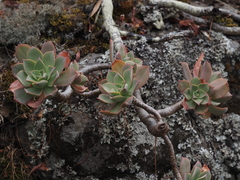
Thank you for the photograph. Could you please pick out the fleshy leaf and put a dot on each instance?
(115, 109)
(198, 66)
(21, 96)
(187, 93)
(21, 76)
(201, 109)
(185, 166)
(118, 98)
(183, 85)
(142, 75)
(21, 51)
(221, 88)
(217, 111)
(28, 65)
(39, 65)
(15, 85)
(16, 68)
(186, 71)
(206, 71)
(105, 98)
(49, 59)
(40, 84)
(66, 77)
(66, 55)
(59, 64)
(33, 91)
(117, 66)
(48, 46)
(214, 76)
(224, 98)
(34, 54)
(195, 81)
(79, 88)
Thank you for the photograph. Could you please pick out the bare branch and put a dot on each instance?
(215, 26)
(89, 94)
(109, 24)
(171, 109)
(157, 129)
(172, 157)
(96, 67)
(197, 11)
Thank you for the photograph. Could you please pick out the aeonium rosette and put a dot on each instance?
(205, 90)
(118, 87)
(39, 73)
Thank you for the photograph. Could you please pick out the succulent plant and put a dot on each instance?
(80, 79)
(205, 90)
(118, 87)
(39, 73)
(127, 57)
(198, 172)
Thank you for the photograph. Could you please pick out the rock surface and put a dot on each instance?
(77, 142)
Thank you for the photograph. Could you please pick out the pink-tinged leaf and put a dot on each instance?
(39, 65)
(49, 91)
(16, 68)
(96, 7)
(41, 167)
(142, 75)
(79, 88)
(48, 46)
(195, 172)
(15, 85)
(34, 54)
(49, 58)
(60, 63)
(224, 98)
(66, 55)
(214, 76)
(22, 76)
(114, 110)
(190, 104)
(21, 96)
(197, 67)
(118, 65)
(186, 71)
(28, 65)
(78, 56)
(52, 79)
(40, 84)
(106, 98)
(118, 98)
(220, 88)
(206, 71)
(206, 115)
(217, 111)
(74, 65)
(121, 52)
(128, 101)
(183, 85)
(66, 77)
(185, 166)
(100, 83)
(202, 109)
(187, 93)
(21, 51)
(33, 91)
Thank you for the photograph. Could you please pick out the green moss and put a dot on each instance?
(225, 21)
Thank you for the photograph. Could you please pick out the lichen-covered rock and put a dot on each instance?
(77, 142)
